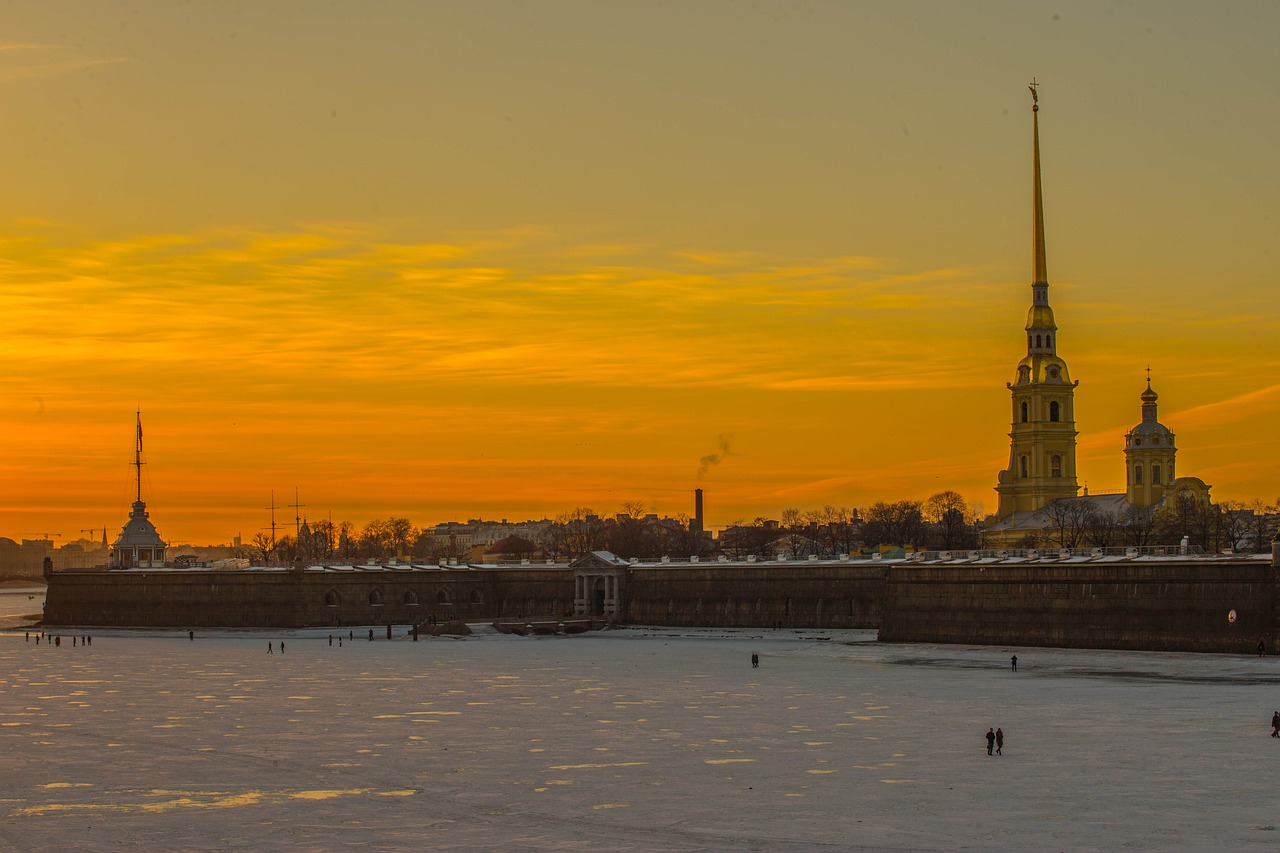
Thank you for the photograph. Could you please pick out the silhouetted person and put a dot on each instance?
(1262, 648)
(331, 639)
(1275, 724)
(191, 635)
(269, 649)
(999, 742)
(991, 741)
(282, 647)
(57, 641)
(1014, 660)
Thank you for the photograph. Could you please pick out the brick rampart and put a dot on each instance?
(1159, 606)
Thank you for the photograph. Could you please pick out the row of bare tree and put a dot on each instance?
(943, 522)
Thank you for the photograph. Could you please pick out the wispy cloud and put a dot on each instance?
(33, 60)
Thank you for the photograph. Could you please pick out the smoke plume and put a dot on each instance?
(707, 462)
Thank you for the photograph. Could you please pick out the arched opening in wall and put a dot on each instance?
(1025, 413)
(331, 598)
(410, 598)
(475, 597)
(818, 609)
(1023, 465)
(1048, 340)
(1137, 475)
(375, 598)
(1055, 413)
(1055, 466)
(1155, 475)
(853, 607)
(786, 607)
(1037, 341)
(442, 597)
(597, 597)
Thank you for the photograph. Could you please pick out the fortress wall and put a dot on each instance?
(284, 599)
(757, 596)
(1162, 606)
(1167, 606)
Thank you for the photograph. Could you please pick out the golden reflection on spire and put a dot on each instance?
(1041, 267)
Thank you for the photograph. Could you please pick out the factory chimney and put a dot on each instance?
(696, 525)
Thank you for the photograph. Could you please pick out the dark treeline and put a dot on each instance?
(943, 522)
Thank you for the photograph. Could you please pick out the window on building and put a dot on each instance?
(375, 599)
(410, 598)
(331, 598)
(1137, 475)
(1155, 475)
(1048, 340)
(1024, 413)
(1023, 460)
(1055, 466)
(1054, 412)
(1037, 341)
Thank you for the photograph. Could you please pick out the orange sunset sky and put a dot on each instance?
(501, 259)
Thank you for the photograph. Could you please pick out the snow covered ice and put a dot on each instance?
(629, 740)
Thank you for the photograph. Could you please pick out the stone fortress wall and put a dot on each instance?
(1216, 604)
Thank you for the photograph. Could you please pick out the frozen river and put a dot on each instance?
(633, 740)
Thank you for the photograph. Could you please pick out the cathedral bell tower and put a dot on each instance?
(1042, 452)
(1149, 454)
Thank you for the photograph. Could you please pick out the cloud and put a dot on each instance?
(33, 60)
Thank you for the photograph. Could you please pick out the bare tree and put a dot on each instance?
(263, 545)
(1068, 517)
(898, 523)
(948, 515)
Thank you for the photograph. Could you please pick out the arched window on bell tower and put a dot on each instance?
(1055, 466)
(1155, 475)
(1137, 475)
(1055, 412)
(1024, 412)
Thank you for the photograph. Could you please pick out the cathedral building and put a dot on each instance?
(1039, 487)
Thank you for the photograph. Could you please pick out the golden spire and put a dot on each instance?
(1041, 268)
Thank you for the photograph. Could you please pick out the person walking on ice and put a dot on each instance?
(991, 741)
(1275, 724)
(999, 741)
(1014, 660)
(269, 648)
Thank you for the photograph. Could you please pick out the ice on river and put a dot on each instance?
(630, 740)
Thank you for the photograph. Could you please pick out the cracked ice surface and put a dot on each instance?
(634, 740)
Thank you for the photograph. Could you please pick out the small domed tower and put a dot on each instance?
(139, 544)
(1149, 453)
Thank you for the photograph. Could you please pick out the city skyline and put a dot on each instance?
(504, 260)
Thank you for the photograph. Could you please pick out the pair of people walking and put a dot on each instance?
(995, 741)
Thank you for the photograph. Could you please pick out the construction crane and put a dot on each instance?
(49, 536)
